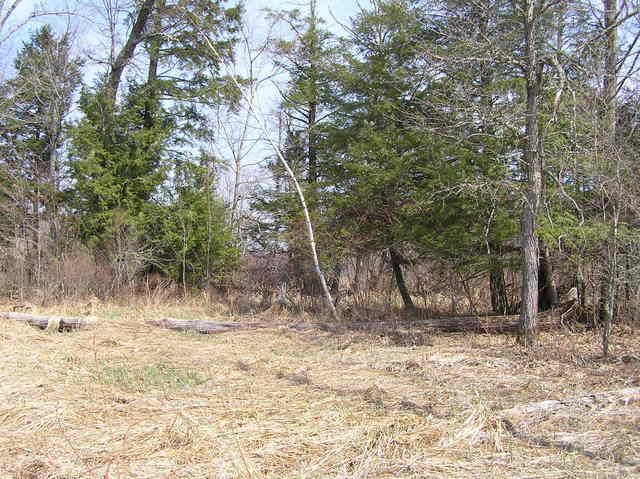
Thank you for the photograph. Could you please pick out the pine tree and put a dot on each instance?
(195, 245)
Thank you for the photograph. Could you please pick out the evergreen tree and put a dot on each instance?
(308, 56)
(36, 102)
(194, 244)
(124, 152)
(117, 162)
(397, 185)
(309, 60)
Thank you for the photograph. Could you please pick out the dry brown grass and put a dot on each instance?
(125, 400)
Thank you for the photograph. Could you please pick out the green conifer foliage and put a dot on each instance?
(117, 162)
(34, 105)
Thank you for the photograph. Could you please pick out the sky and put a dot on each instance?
(334, 12)
(340, 9)
(89, 42)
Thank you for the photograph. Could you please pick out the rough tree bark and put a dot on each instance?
(499, 298)
(610, 87)
(528, 235)
(310, 106)
(312, 148)
(152, 73)
(55, 323)
(469, 324)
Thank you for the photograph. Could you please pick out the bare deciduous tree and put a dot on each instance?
(251, 102)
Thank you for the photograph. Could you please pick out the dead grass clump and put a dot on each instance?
(299, 378)
(421, 410)
(375, 444)
(375, 395)
(158, 291)
(180, 433)
(242, 366)
(480, 424)
(23, 307)
(369, 311)
(402, 366)
(36, 469)
(243, 304)
(406, 338)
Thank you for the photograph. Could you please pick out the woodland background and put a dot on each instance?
(456, 156)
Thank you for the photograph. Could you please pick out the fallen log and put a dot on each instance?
(214, 327)
(489, 324)
(458, 324)
(50, 323)
(204, 327)
(532, 413)
(470, 323)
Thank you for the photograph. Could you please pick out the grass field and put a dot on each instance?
(126, 400)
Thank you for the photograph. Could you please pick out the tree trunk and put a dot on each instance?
(499, 299)
(152, 73)
(607, 302)
(334, 283)
(124, 57)
(581, 285)
(396, 261)
(609, 287)
(627, 282)
(312, 116)
(262, 125)
(528, 234)
(311, 281)
(547, 290)
(312, 151)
